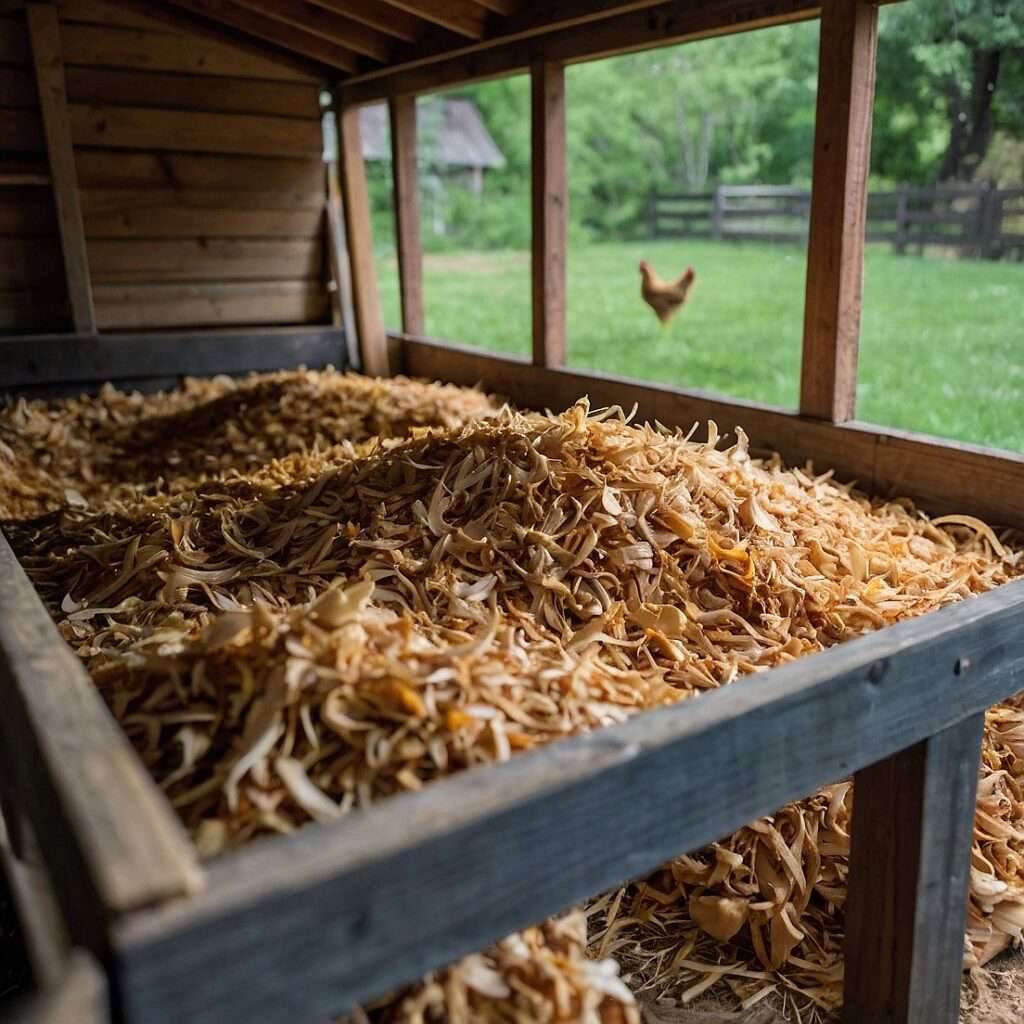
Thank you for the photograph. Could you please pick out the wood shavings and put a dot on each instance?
(347, 622)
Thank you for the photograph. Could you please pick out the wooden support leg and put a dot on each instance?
(550, 204)
(913, 820)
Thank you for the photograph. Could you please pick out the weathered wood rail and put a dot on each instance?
(977, 220)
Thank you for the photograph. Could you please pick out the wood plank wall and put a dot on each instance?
(200, 170)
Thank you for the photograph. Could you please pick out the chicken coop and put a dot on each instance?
(167, 212)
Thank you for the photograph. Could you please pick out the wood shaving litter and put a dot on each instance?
(88, 450)
(684, 563)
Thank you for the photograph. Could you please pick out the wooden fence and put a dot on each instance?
(976, 219)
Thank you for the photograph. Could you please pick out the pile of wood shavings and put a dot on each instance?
(87, 451)
(574, 539)
(537, 976)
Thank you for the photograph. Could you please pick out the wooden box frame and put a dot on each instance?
(291, 928)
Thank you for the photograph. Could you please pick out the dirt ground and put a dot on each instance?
(994, 995)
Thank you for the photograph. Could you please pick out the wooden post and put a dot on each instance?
(913, 823)
(402, 110)
(342, 311)
(717, 212)
(550, 203)
(44, 31)
(835, 251)
(373, 346)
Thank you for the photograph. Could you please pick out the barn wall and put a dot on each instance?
(200, 173)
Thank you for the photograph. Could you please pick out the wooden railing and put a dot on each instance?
(976, 219)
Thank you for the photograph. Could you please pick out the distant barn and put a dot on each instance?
(454, 141)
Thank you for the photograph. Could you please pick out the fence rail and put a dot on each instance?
(977, 220)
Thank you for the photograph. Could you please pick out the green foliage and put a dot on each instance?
(740, 110)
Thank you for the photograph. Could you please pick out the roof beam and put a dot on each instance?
(376, 15)
(461, 16)
(335, 28)
(664, 25)
(256, 24)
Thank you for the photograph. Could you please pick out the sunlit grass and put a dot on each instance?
(942, 342)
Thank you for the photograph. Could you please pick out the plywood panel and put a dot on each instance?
(106, 169)
(165, 90)
(31, 262)
(117, 260)
(194, 305)
(27, 211)
(169, 221)
(17, 88)
(33, 309)
(178, 130)
(21, 131)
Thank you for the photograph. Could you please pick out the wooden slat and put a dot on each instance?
(913, 823)
(14, 45)
(172, 221)
(549, 194)
(259, 25)
(17, 89)
(945, 476)
(109, 838)
(196, 305)
(835, 250)
(189, 131)
(65, 359)
(407, 212)
(397, 890)
(461, 16)
(328, 25)
(21, 131)
(106, 169)
(198, 259)
(103, 46)
(31, 262)
(674, 21)
(117, 87)
(110, 12)
(44, 32)
(34, 309)
(359, 239)
(121, 200)
(377, 15)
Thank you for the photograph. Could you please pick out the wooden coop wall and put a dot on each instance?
(199, 170)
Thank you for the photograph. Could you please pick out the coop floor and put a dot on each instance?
(994, 995)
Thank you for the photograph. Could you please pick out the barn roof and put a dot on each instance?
(376, 49)
(452, 132)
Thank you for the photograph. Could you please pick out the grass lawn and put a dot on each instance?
(942, 342)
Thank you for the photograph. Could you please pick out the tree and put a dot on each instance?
(960, 55)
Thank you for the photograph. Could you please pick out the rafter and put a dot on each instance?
(335, 28)
(377, 15)
(228, 12)
(461, 16)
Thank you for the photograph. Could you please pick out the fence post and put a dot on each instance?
(987, 223)
(652, 215)
(717, 212)
(902, 223)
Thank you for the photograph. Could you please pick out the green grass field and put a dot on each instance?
(942, 342)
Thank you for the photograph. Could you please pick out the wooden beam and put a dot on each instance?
(835, 250)
(53, 359)
(377, 15)
(44, 31)
(407, 211)
(572, 41)
(318, 21)
(913, 822)
(373, 345)
(944, 476)
(253, 23)
(550, 202)
(110, 840)
(461, 16)
(396, 890)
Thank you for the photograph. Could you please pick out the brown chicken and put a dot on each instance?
(666, 298)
